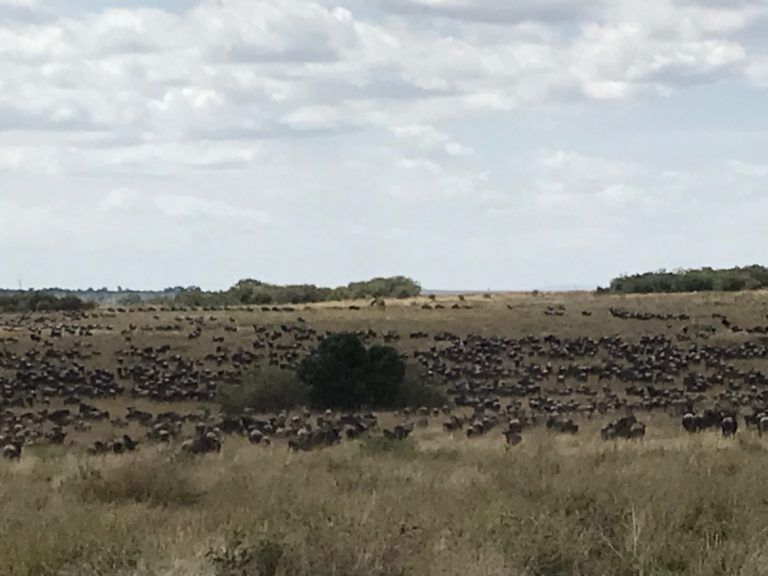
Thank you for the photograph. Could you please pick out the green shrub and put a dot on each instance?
(342, 373)
(336, 372)
(416, 393)
(267, 390)
(386, 375)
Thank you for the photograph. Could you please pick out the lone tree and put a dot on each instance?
(342, 373)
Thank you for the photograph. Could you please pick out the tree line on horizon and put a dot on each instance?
(691, 280)
(41, 301)
(244, 293)
(254, 292)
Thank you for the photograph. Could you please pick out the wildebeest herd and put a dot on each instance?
(112, 380)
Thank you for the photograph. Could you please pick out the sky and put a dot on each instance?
(468, 144)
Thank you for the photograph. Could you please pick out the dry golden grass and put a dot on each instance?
(437, 505)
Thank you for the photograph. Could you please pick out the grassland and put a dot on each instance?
(436, 504)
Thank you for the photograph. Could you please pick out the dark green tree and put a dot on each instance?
(342, 373)
(386, 372)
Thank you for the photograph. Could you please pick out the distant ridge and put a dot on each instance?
(568, 288)
(557, 288)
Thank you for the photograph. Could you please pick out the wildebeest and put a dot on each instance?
(627, 427)
(561, 424)
(399, 432)
(729, 425)
(690, 424)
(12, 451)
(205, 441)
(512, 437)
(54, 390)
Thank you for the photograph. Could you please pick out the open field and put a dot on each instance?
(440, 505)
(438, 502)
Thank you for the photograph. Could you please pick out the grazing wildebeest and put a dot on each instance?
(627, 427)
(12, 451)
(512, 437)
(561, 424)
(728, 426)
(690, 423)
(400, 432)
(204, 441)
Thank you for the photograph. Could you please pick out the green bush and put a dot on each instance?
(343, 373)
(267, 390)
(386, 376)
(337, 371)
(416, 393)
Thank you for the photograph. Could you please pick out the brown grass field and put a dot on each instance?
(435, 504)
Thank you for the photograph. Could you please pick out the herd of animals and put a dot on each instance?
(57, 374)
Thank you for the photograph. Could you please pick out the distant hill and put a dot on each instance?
(555, 288)
(568, 288)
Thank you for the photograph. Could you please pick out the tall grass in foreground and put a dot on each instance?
(432, 506)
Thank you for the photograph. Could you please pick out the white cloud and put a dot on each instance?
(428, 138)
(569, 166)
(420, 164)
(29, 159)
(24, 3)
(218, 117)
(121, 199)
(748, 169)
(495, 11)
(583, 184)
(275, 68)
(182, 206)
(758, 71)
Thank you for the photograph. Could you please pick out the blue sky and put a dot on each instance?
(468, 144)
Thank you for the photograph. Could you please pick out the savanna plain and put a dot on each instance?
(454, 497)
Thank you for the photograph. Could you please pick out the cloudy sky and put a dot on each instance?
(470, 144)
